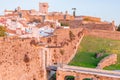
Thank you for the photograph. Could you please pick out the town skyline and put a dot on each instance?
(107, 11)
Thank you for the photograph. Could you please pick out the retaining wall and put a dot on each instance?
(107, 61)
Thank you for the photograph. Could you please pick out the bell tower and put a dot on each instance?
(43, 8)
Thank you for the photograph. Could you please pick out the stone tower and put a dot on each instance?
(43, 8)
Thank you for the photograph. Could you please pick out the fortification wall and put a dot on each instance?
(99, 26)
(61, 42)
(67, 46)
(105, 34)
(62, 74)
(107, 61)
(24, 59)
(20, 60)
(90, 25)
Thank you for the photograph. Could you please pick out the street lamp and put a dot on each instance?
(74, 10)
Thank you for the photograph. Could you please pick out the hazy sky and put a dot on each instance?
(108, 10)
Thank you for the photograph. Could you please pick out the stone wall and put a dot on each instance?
(81, 75)
(26, 59)
(88, 18)
(61, 42)
(90, 25)
(59, 17)
(20, 60)
(107, 61)
(99, 26)
(104, 34)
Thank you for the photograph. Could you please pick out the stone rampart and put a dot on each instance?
(90, 25)
(99, 26)
(105, 34)
(79, 73)
(107, 61)
(20, 60)
(26, 59)
(61, 43)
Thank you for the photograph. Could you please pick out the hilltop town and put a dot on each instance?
(40, 45)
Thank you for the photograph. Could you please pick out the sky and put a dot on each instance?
(107, 10)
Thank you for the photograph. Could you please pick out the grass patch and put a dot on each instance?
(85, 56)
(86, 59)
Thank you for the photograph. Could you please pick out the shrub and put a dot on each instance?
(2, 31)
(98, 55)
(33, 42)
(71, 35)
(86, 19)
(26, 58)
(87, 79)
(62, 51)
(118, 29)
(64, 24)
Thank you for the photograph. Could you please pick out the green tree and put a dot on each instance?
(118, 29)
(2, 31)
(87, 79)
(86, 19)
(71, 35)
(64, 24)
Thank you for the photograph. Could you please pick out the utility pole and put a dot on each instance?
(74, 11)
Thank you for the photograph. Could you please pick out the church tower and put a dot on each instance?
(43, 8)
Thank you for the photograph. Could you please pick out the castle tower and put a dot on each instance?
(43, 8)
(18, 8)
